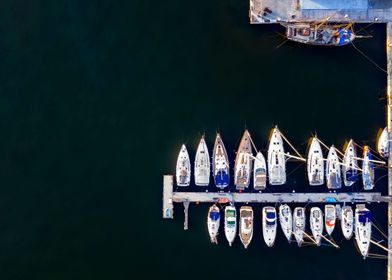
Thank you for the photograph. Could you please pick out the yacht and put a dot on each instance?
(202, 164)
(213, 221)
(183, 168)
(347, 221)
(246, 225)
(383, 144)
(276, 160)
(367, 169)
(299, 224)
(350, 165)
(316, 224)
(243, 162)
(332, 170)
(330, 218)
(269, 225)
(259, 172)
(230, 223)
(286, 220)
(363, 229)
(315, 163)
(220, 164)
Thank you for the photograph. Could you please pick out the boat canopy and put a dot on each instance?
(214, 216)
(221, 178)
(270, 215)
(364, 216)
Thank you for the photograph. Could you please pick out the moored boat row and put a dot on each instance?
(334, 169)
(292, 224)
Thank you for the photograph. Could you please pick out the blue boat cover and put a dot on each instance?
(365, 216)
(351, 175)
(214, 216)
(270, 215)
(221, 178)
(270, 223)
(330, 199)
(344, 35)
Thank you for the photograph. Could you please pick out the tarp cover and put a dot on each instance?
(214, 216)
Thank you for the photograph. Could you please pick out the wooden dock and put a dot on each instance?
(389, 128)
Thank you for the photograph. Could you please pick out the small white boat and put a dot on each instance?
(230, 223)
(276, 160)
(246, 225)
(220, 164)
(243, 162)
(383, 144)
(213, 221)
(183, 169)
(269, 225)
(330, 218)
(315, 163)
(202, 164)
(316, 224)
(332, 170)
(347, 221)
(299, 224)
(363, 229)
(259, 172)
(286, 220)
(367, 169)
(350, 165)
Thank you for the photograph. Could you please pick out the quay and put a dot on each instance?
(283, 11)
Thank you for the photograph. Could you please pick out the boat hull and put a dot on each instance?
(269, 225)
(347, 222)
(183, 168)
(286, 221)
(363, 230)
(246, 225)
(299, 224)
(315, 164)
(350, 165)
(220, 164)
(276, 161)
(330, 218)
(202, 164)
(243, 163)
(213, 222)
(316, 224)
(230, 223)
(259, 172)
(332, 170)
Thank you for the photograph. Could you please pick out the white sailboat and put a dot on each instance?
(286, 220)
(183, 168)
(220, 164)
(347, 221)
(383, 144)
(213, 221)
(332, 170)
(246, 225)
(259, 172)
(269, 225)
(316, 224)
(299, 224)
(243, 162)
(202, 164)
(230, 223)
(330, 218)
(276, 160)
(363, 229)
(315, 163)
(367, 169)
(350, 165)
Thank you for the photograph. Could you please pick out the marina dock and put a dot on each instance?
(389, 128)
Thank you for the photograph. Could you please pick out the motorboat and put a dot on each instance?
(246, 225)
(269, 225)
(259, 172)
(213, 221)
(330, 218)
(347, 221)
(230, 223)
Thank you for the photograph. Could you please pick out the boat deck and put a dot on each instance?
(359, 11)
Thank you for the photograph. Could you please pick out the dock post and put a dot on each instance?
(389, 128)
(186, 210)
(167, 197)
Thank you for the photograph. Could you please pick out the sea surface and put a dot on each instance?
(96, 99)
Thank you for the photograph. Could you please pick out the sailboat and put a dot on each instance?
(202, 164)
(269, 225)
(322, 34)
(332, 170)
(367, 169)
(220, 164)
(350, 165)
(315, 163)
(246, 225)
(363, 229)
(299, 224)
(230, 223)
(276, 160)
(183, 168)
(286, 220)
(213, 221)
(383, 143)
(316, 224)
(243, 162)
(259, 172)
(347, 221)
(330, 218)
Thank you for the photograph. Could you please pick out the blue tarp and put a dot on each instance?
(214, 216)
(270, 215)
(351, 175)
(365, 216)
(270, 223)
(222, 178)
(330, 199)
(344, 35)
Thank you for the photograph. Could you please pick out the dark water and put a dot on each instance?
(95, 101)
